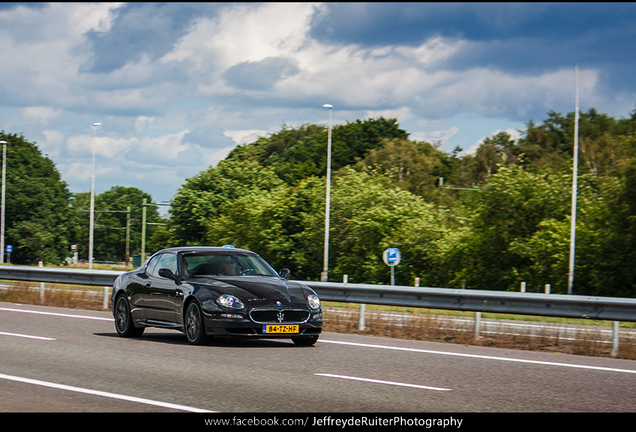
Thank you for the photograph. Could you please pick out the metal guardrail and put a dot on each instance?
(507, 302)
(59, 275)
(555, 305)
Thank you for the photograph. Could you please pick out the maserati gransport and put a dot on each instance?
(215, 292)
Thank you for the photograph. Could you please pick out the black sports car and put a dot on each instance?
(215, 291)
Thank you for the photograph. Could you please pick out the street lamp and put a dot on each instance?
(574, 182)
(4, 168)
(325, 266)
(92, 212)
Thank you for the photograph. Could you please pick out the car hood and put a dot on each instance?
(258, 291)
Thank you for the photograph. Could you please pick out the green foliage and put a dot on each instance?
(413, 166)
(296, 154)
(370, 215)
(38, 219)
(111, 220)
(286, 226)
(511, 226)
(201, 199)
(508, 212)
(491, 220)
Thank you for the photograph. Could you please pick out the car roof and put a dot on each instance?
(204, 249)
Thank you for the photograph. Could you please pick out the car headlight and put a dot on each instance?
(230, 301)
(314, 301)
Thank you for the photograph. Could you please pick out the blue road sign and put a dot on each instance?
(393, 255)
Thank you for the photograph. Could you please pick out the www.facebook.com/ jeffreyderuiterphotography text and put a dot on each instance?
(339, 422)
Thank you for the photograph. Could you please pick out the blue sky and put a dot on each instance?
(176, 86)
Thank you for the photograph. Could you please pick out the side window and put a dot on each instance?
(152, 264)
(168, 261)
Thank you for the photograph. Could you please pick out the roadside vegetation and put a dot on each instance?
(489, 219)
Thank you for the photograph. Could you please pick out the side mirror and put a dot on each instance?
(284, 273)
(168, 274)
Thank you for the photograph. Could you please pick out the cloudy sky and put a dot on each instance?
(176, 86)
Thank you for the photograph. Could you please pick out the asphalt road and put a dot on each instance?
(55, 360)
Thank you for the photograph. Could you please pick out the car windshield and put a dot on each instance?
(225, 263)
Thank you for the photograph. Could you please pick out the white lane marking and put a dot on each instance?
(384, 382)
(103, 394)
(27, 336)
(599, 368)
(57, 314)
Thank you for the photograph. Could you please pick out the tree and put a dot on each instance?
(513, 227)
(607, 249)
(413, 166)
(111, 220)
(499, 149)
(38, 218)
(508, 212)
(286, 226)
(370, 215)
(296, 154)
(267, 222)
(201, 200)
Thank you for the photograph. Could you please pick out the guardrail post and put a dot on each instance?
(41, 264)
(616, 328)
(363, 307)
(477, 324)
(361, 325)
(106, 297)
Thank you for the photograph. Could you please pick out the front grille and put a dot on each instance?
(275, 316)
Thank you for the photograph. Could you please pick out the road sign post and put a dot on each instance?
(392, 258)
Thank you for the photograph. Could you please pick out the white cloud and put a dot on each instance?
(40, 114)
(436, 135)
(170, 117)
(143, 123)
(46, 51)
(52, 143)
(245, 33)
(245, 136)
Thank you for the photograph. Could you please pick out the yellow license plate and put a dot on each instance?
(280, 328)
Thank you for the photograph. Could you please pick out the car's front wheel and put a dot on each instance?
(123, 319)
(194, 328)
(305, 341)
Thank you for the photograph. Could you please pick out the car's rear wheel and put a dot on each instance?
(305, 341)
(194, 328)
(123, 319)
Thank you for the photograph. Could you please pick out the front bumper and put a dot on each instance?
(241, 324)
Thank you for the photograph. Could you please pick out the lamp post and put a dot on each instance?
(325, 266)
(574, 182)
(4, 169)
(92, 211)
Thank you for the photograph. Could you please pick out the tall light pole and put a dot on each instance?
(4, 169)
(325, 266)
(92, 212)
(574, 181)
